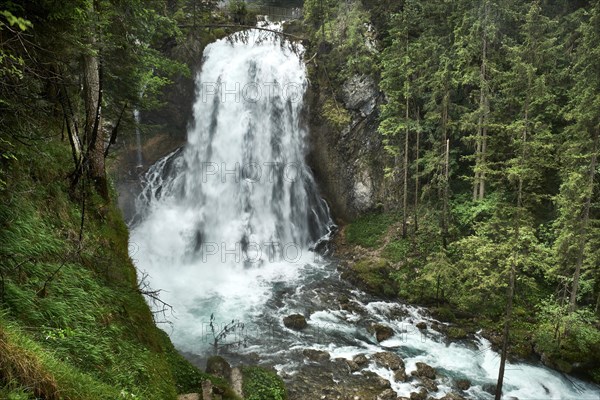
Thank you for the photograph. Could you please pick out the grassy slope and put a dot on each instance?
(72, 323)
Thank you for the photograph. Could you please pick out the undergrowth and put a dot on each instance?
(73, 323)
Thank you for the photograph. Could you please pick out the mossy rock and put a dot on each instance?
(218, 366)
(456, 333)
(443, 314)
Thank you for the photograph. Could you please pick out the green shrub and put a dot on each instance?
(262, 384)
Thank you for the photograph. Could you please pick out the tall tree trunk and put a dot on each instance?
(585, 219)
(445, 169)
(445, 221)
(94, 134)
(405, 166)
(418, 139)
(481, 147)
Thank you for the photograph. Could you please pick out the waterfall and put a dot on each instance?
(237, 207)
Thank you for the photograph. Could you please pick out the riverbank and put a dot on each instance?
(374, 257)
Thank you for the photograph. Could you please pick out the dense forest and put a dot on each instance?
(489, 120)
(490, 124)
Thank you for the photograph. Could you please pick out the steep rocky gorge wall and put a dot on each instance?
(348, 161)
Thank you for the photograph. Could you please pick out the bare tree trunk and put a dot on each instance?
(445, 218)
(405, 166)
(418, 138)
(584, 223)
(481, 148)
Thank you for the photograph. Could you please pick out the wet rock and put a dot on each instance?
(218, 366)
(352, 366)
(360, 359)
(489, 388)
(295, 321)
(463, 384)
(420, 395)
(389, 360)
(387, 394)
(316, 355)
(382, 332)
(424, 371)
(421, 325)
(452, 396)
(376, 381)
(400, 375)
(429, 384)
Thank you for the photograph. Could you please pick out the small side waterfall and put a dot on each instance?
(138, 138)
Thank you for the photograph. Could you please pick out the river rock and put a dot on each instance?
(424, 371)
(389, 360)
(420, 395)
(400, 375)
(352, 366)
(295, 321)
(218, 366)
(452, 396)
(387, 394)
(463, 384)
(382, 332)
(421, 325)
(489, 388)
(429, 384)
(316, 355)
(376, 381)
(360, 359)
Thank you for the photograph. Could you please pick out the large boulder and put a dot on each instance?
(387, 394)
(316, 355)
(424, 371)
(360, 359)
(429, 384)
(463, 384)
(382, 332)
(295, 321)
(389, 360)
(420, 395)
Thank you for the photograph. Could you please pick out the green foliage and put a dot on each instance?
(335, 114)
(262, 384)
(369, 230)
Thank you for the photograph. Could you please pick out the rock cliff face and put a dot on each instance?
(348, 162)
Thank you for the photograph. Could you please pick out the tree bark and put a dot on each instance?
(584, 223)
(94, 134)
(418, 139)
(481, 147)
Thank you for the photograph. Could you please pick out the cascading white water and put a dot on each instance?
(138, 138)
(225, 225)
(238, 207)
